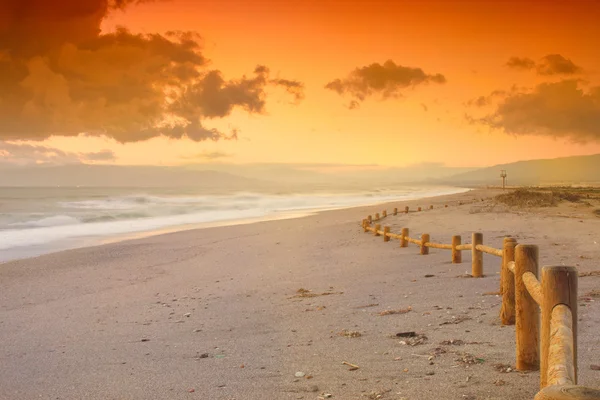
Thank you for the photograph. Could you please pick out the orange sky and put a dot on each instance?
(315, 42)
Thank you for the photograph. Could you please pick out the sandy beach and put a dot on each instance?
(217, 313)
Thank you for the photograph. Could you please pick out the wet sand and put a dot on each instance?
(216, 313)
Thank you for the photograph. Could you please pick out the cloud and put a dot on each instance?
(558, 109)
(25, 154)
(60, 76)
(555, 64)
(521, 63)
(207, 155)
(386, 79)
(551, 64)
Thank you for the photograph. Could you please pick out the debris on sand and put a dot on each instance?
(456, 320)
(595, 367)
(349, 334)
(593, 293)
(590, 273)
(398, 311)
(504, 368)
(307, 293)
(376, 395)
(353, 367)
(469, 359)
(369, 305)
(453, 342)
(437, 351)
(415, 340)
(499, 382)
(406, 334)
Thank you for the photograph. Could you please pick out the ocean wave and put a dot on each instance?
(117, 215)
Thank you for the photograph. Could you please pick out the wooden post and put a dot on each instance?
(527, 311)
(559, 286)
(419, 209)
(507, 285)
(377, 228)
(386, 230)
(477, 256)
(406, 210)
(403, 241)
(424, 239)
(431, 207)
(370, 219)
(456, 254)
(395, 210)
(365, 224)
(445, 205)
(376, 216)
(384, 214)
(568, 392)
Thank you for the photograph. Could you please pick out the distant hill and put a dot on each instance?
(122, 176)
(567, 170)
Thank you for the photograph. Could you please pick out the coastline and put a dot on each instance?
(215, 313)
(69, 243)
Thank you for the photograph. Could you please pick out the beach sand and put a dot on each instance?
(215, 313)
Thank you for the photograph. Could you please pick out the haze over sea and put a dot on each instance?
(36, 220)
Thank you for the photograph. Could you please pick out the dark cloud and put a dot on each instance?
(60, 76)
(25, 153)
(483, 101)
(558, 109)
(555, 64)
(551, 64)
(521, 63)
(294, 88)
(386, 79)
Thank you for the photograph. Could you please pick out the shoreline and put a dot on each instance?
(220, 313)
(20, 252)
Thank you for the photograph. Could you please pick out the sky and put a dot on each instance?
(392, 83)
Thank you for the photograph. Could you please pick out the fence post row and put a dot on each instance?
(507, 286)
(403, 241)
(559, 286)
(527, 311)
(477, 256)
(548, 343)
(456, 254)
(424, 240)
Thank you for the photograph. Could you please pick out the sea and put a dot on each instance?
(36, 221)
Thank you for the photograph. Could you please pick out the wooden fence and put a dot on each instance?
(548, 343)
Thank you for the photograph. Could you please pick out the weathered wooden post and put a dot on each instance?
(527, 312)
(559, 286)
(386, 230)
(376, 216)
(384, 213)
(507, 286)
(477, 256)
(431, 207)
(377, 228)
(406, 210)
(395, 210)
(370, 219)
(456, 254)
(403, 241)
(365, 225)
(419, 209)
(445, 205)
(424, 240)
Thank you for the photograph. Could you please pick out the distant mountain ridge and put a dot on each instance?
(565, 170)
